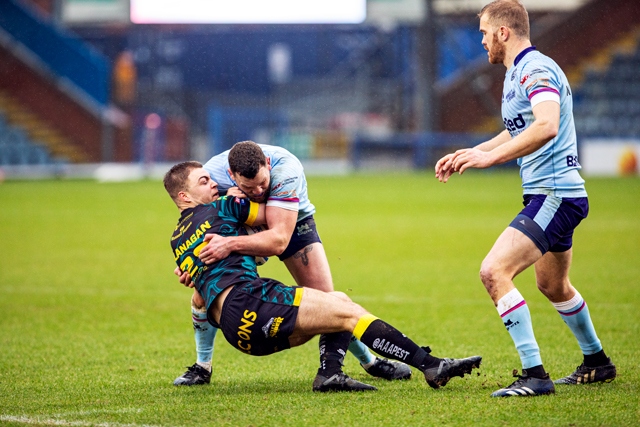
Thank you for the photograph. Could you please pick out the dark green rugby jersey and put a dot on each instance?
(225, 217)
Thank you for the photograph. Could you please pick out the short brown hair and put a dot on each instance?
(246, 158)
(510, 13)
(175, 180)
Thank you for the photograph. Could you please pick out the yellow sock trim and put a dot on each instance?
(363, 324)
(298, 296)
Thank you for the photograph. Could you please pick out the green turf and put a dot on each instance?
(94, 327)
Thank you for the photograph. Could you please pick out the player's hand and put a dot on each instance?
(236, 192)
(215, 250)
(183, 277)
(444, 167)
(471, 158)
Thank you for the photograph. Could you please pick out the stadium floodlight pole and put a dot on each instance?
(427, 57)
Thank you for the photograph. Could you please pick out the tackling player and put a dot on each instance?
(537, 111)
(271, 175)
(260, 316)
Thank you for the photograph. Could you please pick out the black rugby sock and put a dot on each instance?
(333, 347)
(535, 372)
(389, 342)
(596, 359)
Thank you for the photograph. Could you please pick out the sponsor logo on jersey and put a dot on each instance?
(284, 193)
(539, 82)
(510, 95)
(532, 73)
(387, 347)
(289, 180)
(513, 75)
(572, 161)
(517, 123)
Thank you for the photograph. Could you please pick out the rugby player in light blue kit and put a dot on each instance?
(271, 175)
(537, 113)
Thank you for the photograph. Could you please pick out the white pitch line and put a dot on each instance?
(97, 411)
(58, 422)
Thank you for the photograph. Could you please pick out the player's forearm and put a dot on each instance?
(494, 142)
(532, 139)
(266, 243)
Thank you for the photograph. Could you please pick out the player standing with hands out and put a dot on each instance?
(537, 110)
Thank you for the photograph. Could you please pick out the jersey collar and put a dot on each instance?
(522, 54)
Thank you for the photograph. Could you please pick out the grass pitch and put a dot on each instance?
(94, 327)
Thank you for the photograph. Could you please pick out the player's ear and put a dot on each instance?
(183, 196)
(269, 163)
(504, 33)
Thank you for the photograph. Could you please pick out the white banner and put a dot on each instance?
(87, 11)
(248, 11)
(609, 157)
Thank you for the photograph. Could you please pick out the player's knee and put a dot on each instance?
(544, 288)
(552, 289)
(297, 340)
(487, 274)
(354, 311)
(357, 311)
(341, 295)
(320, 285)
(197, 302)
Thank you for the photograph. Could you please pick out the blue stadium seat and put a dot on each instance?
(4, 154)
(15, 136)
(17, 149)
(38, 155)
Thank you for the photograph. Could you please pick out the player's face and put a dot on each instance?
(201, 188)
(495, 48)
(257, 188)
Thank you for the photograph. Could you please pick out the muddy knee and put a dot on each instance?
(197, 301)
(490, 279)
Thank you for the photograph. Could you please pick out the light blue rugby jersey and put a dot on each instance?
(552, 169)
(288, 186)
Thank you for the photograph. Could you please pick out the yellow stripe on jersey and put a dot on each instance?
(253, 213)
(298, 298)
(363, 324)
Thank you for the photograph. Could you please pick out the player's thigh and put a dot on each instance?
(309, 267)
(321, 313)
(260, 316)
(552, 275)
(512, 253)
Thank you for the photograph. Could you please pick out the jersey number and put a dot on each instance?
(188, 264)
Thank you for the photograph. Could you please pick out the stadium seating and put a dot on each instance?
(16, 148)
(564, 38)
(607, 104)
(55, 89)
